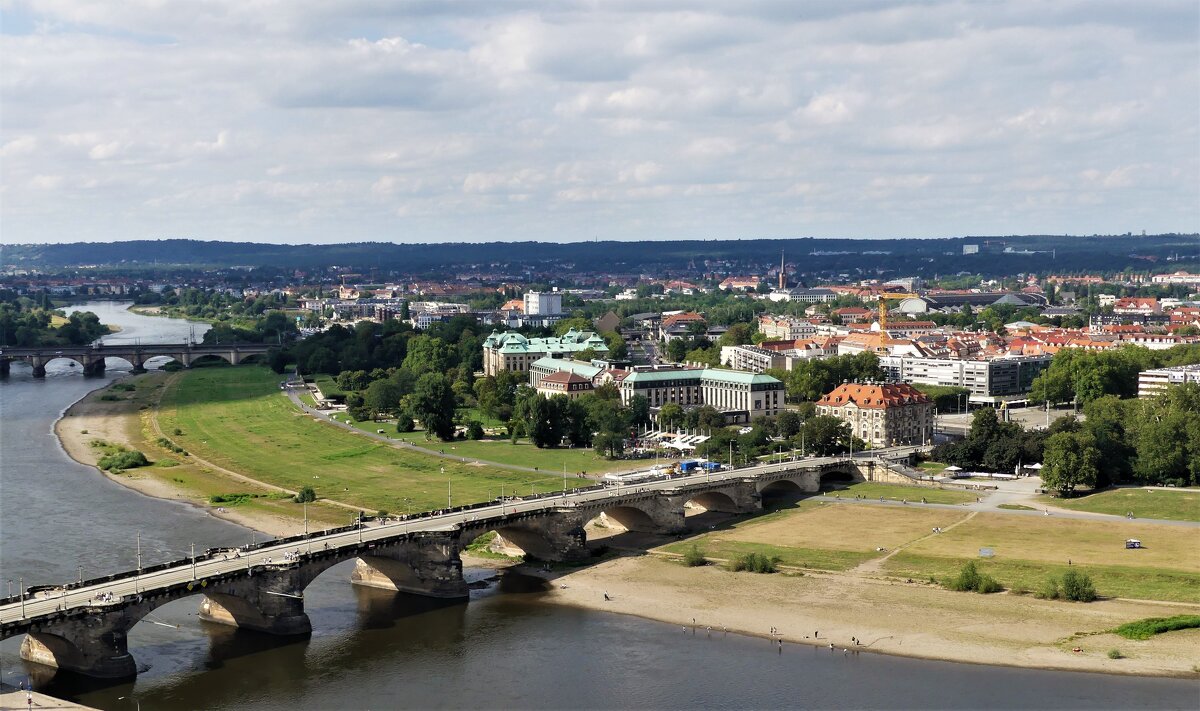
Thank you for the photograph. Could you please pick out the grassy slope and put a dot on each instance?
(1144, 503)
(503, 451)
(239, 419)
(896, 492)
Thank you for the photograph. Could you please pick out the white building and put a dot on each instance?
(1154, 382)
(543, 303)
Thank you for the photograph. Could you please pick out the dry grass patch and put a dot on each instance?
(1055, 540)
(846, 527)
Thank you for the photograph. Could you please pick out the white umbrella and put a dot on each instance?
(952, 468)
(1034, 466)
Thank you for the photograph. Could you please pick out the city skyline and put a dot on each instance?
(562, 122)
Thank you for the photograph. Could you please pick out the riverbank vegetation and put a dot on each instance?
(27, 322)
(1147, 628)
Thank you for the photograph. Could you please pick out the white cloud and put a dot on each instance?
(311, 121)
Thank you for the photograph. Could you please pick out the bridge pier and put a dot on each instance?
(5, 368)
(271, 601)
(94, 646)
(94, 366)
(39, 366)
(425, 563)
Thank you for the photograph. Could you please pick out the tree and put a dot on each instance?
(382, 397)
(788, 424)
(427, 354)
(322, 360)
(825, 435)
(433, 403)
(639, 411)
(676, 349)
(670, 416)
(1071, 460)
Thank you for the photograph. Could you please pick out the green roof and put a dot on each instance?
(570, 342)
(572, 366)
(738, 376)
(655, 376)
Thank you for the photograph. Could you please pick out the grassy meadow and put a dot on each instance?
(238, 418)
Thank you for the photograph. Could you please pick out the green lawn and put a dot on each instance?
(239, 419)
(816, 558)
(1182, 505)
(504, 451)
(1110, 580)
(935, 467)
(897, 492)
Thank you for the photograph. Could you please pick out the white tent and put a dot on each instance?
(952, 468)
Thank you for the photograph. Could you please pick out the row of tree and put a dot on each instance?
(1089, 375)
(28, 322)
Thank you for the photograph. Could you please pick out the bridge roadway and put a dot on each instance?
(92, 357)
(82, 626)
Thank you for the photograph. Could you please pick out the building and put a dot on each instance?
(740, 397)
(1183, 278)
(543, 303)
(808, 296)
(740, 283)
(990, 381)
(564, 382)
(787, 328)
(752, 358)
(881, 414)
(1136, 306)
(1154, 382)
(512, 351)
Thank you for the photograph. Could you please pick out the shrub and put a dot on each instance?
(178, 432)
(1115, 653)
(404, 423)
(754, 563)
(381, 513)
(108, 397)
(970, 579)
(306, 495)
(474, 430)
(230, 499)
(1147, 628)
(118, 460)
(1049, 589)
(123, 387)
(83, 431)
(1078, 587)
(694, 557)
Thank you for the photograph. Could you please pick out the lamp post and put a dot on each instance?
(21, 590)
(448, 504)
(193, 561)
(305, 518)
(138, 574)
(80, 574)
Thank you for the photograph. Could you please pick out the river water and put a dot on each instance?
(371, 649)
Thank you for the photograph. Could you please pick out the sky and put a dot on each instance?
(428, 120)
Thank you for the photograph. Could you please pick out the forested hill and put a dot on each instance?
(999, 255)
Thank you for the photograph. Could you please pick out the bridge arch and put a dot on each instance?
(628, 517)
(60, 358)
(210, 359)
(781, 487)
(713, 501)
(831, 479)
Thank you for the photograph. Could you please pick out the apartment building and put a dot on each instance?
(785, 328)
(989, 380)
(1154, 382)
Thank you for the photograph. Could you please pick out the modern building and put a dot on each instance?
(1155, 382)
(512, 351)
(543, 303)
(990, 381)
(740, 397)
(752, 358)
(881, 414)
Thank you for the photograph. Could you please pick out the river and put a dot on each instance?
(372, 649)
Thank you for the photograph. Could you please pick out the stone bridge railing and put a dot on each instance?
(92, 357)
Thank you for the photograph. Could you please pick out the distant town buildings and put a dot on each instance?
(881, 414)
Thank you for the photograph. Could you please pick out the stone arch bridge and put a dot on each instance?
(82, 626)
(92, 357)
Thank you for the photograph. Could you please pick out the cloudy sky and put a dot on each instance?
(319, 121)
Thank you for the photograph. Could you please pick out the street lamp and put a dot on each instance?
(193, 561)
(138, 574)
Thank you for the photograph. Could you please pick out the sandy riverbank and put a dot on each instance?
(892, 617)
(91, 418)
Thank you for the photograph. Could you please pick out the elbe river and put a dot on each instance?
(371, 649)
